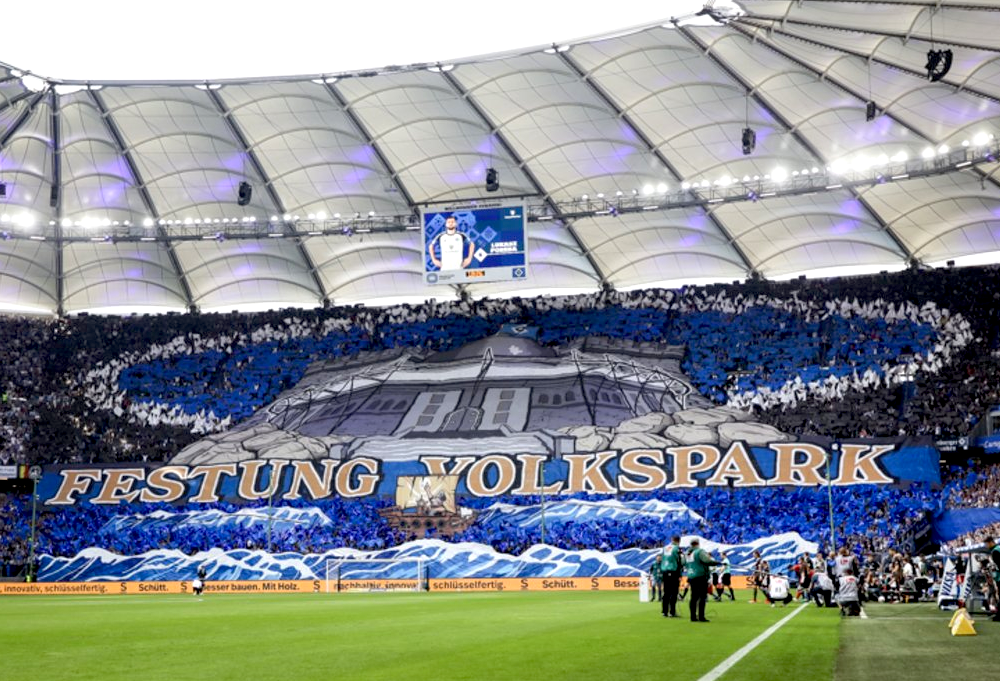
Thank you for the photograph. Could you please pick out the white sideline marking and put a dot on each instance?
(730, 661)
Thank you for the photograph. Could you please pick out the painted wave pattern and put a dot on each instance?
(575, 510)
(440, 560)
(281, 519)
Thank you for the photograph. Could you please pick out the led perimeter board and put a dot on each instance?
(476, 242)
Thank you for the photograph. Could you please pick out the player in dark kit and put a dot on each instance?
(198, 585)
(761, 576)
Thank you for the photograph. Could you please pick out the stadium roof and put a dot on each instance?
(108, 185)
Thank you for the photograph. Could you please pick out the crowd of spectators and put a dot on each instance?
(875, 355)
(914, 352)
(974, 486)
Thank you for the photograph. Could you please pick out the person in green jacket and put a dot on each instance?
(672, 565)
(697, 573)
(656, 579)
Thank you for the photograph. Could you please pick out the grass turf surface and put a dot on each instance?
(899, 642)
(482, 636)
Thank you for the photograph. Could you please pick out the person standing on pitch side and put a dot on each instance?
(697, 574)
(995, 558)
(673, 561)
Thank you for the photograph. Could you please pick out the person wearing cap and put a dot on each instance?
(697, 573)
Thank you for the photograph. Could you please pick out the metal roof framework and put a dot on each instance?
(122, 196)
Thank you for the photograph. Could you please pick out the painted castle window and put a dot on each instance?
(505, 406)
(429, 410)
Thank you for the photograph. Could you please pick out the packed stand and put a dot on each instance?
(810, 357)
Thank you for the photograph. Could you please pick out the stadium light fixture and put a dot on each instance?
(244, 194)
(938, 64)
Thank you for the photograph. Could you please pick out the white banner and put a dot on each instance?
(971, 566)
(8, 472)
(949, 583)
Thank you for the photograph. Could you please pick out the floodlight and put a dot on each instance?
(244, 194)
(938, 64)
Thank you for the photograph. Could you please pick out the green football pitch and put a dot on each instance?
(480, 636)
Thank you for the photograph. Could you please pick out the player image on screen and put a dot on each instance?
(456, 247)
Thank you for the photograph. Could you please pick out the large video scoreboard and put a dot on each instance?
(476, 242)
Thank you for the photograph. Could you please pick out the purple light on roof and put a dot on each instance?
(243, 271)
(227, 184)
(355, 176)
(236, 162)
(487, 145)
(363, 154)
(844, 227)
(623, 151)
(851, 207)
(249, 246)
(697, 221)
(134, 273)
(627, 132)
(689, 240)
(116, 167)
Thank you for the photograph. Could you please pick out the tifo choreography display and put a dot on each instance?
(549, 439)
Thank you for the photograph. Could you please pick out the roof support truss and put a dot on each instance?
(502, 139)
(796, 134)
(756, 37)
(272, 193)
(147, 200)
(622, 115)
(56, 198)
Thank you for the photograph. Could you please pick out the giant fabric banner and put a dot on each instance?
(953, 524)
(798, 464)
(530, 459)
